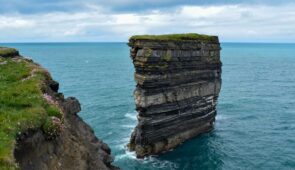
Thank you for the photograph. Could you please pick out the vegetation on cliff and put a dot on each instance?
(5, 52)
(23, 104)
(174, 37)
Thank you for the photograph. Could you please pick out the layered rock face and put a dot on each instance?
(178, 81)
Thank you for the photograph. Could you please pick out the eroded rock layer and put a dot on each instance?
(178, 82)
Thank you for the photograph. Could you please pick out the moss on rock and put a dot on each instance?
(147, 52)
(52, 127)
(168, 56)
(7, 52)
(174, 37)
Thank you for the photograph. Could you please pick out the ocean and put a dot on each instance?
(255, 126)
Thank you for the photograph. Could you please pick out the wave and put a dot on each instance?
(126, 155)
(151, 161)
(128, 126)
(221, 117)
(131, 116)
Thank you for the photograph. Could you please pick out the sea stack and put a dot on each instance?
(178, 80)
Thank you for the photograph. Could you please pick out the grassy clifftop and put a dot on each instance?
(23, 104)
(174, 37)
(6, 52)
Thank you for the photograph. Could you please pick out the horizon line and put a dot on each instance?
(57, 42)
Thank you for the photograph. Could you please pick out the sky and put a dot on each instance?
(117, 20)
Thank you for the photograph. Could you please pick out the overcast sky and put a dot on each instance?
(116, 20)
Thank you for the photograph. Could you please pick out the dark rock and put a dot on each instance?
(178, 83)
(72, 105)
(75, 148)
(54, 85)
(8, 52)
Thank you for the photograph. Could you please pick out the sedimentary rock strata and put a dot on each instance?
(178, 81)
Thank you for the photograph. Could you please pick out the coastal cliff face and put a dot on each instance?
(178, 81)
(47, 134)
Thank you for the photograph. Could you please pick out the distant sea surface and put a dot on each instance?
(255, 126)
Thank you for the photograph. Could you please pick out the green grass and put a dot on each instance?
(7, 51)
(174, 37)
(22, 105)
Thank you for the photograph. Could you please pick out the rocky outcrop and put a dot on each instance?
(73, 147)
(178, 81)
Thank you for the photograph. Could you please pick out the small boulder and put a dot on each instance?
(72, 105)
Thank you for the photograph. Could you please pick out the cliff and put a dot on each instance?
(39, 128)
(178, 81)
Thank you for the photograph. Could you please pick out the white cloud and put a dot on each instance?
(200, 12)
(230, 22)
(15, 23)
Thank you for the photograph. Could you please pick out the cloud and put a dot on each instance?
(230, 22)
(15, 23)
(116, 6)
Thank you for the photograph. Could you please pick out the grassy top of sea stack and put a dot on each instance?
(174, 37)
(23, 104)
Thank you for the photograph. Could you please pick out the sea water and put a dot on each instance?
(255, 126)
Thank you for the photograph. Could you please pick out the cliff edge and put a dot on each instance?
(178, 82)
(39, 128)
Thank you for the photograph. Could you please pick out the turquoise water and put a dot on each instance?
(255, 126)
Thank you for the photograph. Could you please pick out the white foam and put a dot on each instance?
(128, 126)
(152, 160)
(126, 155)
(131, 116)
(221, 117)
(159, 164)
